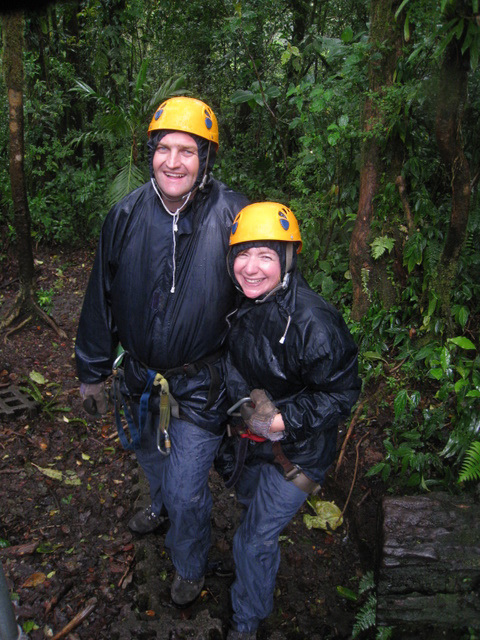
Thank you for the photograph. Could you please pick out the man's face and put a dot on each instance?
(175, 165)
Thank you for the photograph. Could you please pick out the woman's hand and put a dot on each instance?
(263, 418)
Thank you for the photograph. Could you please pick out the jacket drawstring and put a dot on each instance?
(282, 339)
(175, 217)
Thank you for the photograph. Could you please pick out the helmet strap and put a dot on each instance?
(205, 172)
(288, 257)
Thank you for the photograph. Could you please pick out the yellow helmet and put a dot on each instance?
(265, 221)
(188, 115)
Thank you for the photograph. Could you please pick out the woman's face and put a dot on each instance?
(257, 270)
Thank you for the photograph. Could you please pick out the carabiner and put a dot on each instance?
(231, 411)
(166, 440)
(117, 362)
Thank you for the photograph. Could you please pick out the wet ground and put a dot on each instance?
(67, 490)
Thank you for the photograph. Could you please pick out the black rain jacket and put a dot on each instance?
(297, 347)
(129, 298)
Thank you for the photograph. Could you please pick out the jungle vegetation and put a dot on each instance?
(361, 115)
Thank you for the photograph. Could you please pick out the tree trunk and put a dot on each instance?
(12, 26)
(452, 96)
(384, 37)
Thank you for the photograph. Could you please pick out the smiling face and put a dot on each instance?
(175, 167)
(257, 271)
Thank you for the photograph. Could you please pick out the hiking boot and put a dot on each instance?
(185, 591)
(224, 568)
(241, 635)
(146, 521)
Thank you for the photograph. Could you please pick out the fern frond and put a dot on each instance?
(471, 464)
(384, 633)
(367, 582)
(365, 618)
(128, 178)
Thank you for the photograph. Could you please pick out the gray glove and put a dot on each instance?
(259, 415)
(94, 398)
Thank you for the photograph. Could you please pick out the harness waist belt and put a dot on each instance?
(292, 472)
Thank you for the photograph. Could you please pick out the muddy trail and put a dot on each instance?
(67, 490)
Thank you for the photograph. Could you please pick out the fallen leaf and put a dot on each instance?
(35, 579)
(50, 473)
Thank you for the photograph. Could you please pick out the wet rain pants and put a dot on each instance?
(271, 502)
(179, 482)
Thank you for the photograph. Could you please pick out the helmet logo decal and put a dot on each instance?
(208, 120)
(235, 224)
(282, 214)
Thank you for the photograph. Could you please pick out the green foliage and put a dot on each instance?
(365, 618)
(45, 299)
(126, 123)
(471, 465)
(381, 245)
(46, 401)
(433, 425)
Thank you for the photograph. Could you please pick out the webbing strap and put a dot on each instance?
(120, 403)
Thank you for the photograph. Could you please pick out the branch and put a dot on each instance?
(76, 621)
(353, 422)
(400, 182)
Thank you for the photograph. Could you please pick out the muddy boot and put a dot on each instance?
(185, 591)
(146, 521)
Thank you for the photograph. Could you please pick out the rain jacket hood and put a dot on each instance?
(206, 156)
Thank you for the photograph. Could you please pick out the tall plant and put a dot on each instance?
(127, 123)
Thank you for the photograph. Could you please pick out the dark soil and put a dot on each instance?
(67, 490)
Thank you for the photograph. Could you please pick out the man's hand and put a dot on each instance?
(94, 398)
(259, 415)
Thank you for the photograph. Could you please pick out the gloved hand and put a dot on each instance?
(94, 398)
(259, 415)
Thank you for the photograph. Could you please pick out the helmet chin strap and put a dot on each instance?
(205, 172)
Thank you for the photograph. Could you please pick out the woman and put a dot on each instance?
(291, 353)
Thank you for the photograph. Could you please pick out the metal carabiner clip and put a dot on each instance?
(116, 362)
(167, 444)
(231, 411)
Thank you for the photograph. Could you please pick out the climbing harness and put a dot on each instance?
(164, 420)
(291, 472)
(157, 384)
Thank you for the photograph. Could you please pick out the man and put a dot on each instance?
(160, 289)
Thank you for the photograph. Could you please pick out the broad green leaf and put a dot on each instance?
(373, 355)
(347, 593)
(463, 343)
(400, 403)
(347, 35)
(36, 377)
(242, 96)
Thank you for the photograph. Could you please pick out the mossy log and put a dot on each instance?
(429, 565)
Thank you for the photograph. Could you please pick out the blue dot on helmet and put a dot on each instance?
(208, 123)
(285, 223)
(234, 227)
(158, 114)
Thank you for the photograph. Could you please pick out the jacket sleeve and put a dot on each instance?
(97, 338)
(329, 371)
